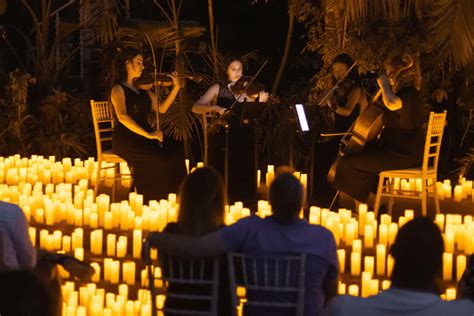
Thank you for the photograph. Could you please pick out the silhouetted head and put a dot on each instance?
(286, 196)
(201, 202)
(418, 251)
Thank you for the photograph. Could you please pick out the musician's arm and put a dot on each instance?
(117, 97)
(203, 105)
(165, 105)
(353, 99)
(390, 99)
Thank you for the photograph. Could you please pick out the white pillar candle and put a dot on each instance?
(111, 244)
(447, 266)
(137, 243)
(383, 234)
(350, 233)
(381, 257)
(369, 236)
(386, 285)
(365, 283)
(353, 290)
(355, 263)
(341, 255)
(115, 272)
(390, 263)
(374, 287)
(460, 266)
(357, 246)
(392, 233)
(458, 193)
(369, 264)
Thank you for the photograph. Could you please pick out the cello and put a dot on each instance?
(366, 127)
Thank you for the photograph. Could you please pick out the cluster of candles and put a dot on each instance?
(270, 175)
(64, 216)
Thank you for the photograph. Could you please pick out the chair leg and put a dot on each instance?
(377, 197)
(435, 196)
(424, 190)
(97, 179)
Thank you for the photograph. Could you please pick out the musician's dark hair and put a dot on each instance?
(410, 76)
(348, 61)
(418, 251)
(286, 196)
(120, 70)
(201, 202)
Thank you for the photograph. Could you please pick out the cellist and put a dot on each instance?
(401, 142)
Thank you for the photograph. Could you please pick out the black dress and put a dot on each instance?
(326, 150)
(401, 146)
(156, 171)
(242, 180)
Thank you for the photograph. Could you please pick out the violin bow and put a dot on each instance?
(223, 117)
(338, 82)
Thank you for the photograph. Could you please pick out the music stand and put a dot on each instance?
(251, 111)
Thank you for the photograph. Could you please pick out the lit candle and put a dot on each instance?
(381, 254)
(137, 243)
(369, 236)
(369, 264)
(392, 233)
(386, 285)
(458, 193)
(460, 266)
(449, 239)
(355, 263)
(383, 234)
(447, 266)
(374, 287)
(390, 263)
(259, 176)
(353, 290)
(350, 230)
(450, 294)
(111, 240)
(341, 255)
(357, 246)
(365, 283)
(362, 217)
(122, 247)
(114, 272)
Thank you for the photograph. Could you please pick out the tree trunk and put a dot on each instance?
(289, 35)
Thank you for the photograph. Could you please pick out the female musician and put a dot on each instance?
(156, 171)
(342, 108)
(241, 182)
(402, 139)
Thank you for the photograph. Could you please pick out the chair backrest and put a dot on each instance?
(270, 281)
(191, 285)
(103, 120)
(434, 135)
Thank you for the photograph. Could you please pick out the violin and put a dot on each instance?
(147, 80)
(244, 85)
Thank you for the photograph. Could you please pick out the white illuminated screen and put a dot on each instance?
(302, 117)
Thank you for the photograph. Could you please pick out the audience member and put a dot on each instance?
(417, 251)
(201, 211)
(19, 253)
(282, 233)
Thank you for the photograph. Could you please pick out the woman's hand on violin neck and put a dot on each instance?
(158, 135)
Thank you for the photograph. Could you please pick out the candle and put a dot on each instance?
(362, 217)
(365, 283)
(341, 255)
(350, 232)
(122, 247)
(369, 264)
(386, 285)
(460, 266)
(353, 290)
(381, 254)
(458, 193)
(341, 289)
(114, 272)
(137, 242)
(392, 233)
(259, 176)
(383, 234)
(449, 239)
(374, 287)
(369, 236)
(355, 263)
(390, 263)
(357, 246)
(111, 238)
(447, 266)
(450, 294)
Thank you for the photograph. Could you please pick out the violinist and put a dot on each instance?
(401, 142)
(156, 170)
(342, 106)
(241, 182)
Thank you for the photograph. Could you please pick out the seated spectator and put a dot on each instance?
(201, 211)
(18, 251)
(417, 251)
(23, 293)
(282, 233)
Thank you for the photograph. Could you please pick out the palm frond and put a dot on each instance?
(451, 24)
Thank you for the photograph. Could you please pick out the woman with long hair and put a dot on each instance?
(241, 182)
(201, 211)
(157, 163)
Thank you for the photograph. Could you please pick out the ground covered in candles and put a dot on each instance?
(58, 200)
